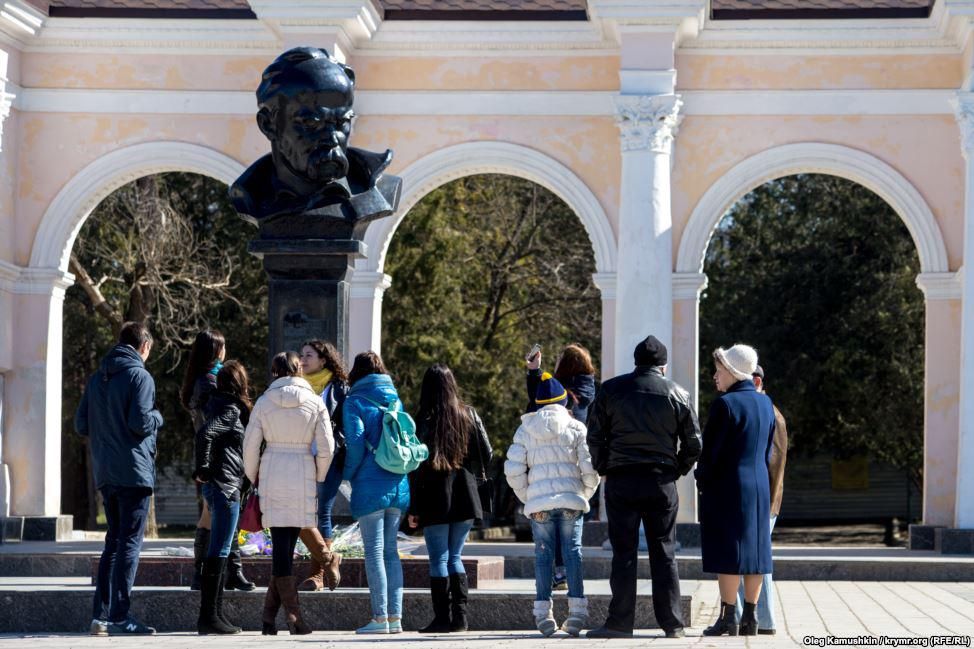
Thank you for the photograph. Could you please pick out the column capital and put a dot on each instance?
(368, 284)
(941, 286)
(606, 283)
(687, 286)
(963, 104)
(648, 122)
(33, 280)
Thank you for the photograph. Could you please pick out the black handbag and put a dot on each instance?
(485, 485)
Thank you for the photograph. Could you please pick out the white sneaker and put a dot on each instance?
(98, 627)
(544, 618)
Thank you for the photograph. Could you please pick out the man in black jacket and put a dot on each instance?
(118, 416)
(643, 434)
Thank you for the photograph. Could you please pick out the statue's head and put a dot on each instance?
(305, 110)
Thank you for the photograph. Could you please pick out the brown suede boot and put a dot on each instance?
(312, 540)
(333, 575)
(288, 589)
(272, 602)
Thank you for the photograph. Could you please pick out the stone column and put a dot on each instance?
(644, 306)
(607, 285)
(964, 506)
(32, 396)
(365, 311)
(685, 365)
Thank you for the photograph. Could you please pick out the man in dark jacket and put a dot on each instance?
(118, 416)
(643, 434)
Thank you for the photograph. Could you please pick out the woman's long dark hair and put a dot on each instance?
(232, 379)
(333, 360)
(449, 420)
(366, 363)
(202, 356)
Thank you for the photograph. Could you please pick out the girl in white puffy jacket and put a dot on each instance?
(550, 469)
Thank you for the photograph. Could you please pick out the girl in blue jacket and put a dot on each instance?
(379, 497)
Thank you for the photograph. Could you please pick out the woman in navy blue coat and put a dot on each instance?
(735, 495)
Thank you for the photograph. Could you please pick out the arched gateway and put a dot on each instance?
(648, 119)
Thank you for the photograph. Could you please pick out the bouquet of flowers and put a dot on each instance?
(255, 543)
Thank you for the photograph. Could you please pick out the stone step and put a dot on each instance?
(59, 610)
(178, 571)
(786, 568)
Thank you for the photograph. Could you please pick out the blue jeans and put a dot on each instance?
(382, 566)
(765, 607)
(444, 543)
(126, 510)
(565, 527)
(327, 492)
(224, 514)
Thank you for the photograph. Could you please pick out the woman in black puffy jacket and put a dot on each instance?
(219, 468)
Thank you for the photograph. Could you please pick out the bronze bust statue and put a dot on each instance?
(305, 109)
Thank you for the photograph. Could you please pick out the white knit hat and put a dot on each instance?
(740, 360)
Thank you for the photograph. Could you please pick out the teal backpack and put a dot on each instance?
(399, 450)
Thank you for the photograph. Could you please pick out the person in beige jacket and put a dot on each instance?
(287, 418)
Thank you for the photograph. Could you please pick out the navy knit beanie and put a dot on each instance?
(550, 392)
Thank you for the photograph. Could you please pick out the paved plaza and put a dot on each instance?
(816, 609)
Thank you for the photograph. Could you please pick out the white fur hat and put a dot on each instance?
(740, 360)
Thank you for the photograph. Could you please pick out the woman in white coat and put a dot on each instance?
(287, 418)
(550, 469)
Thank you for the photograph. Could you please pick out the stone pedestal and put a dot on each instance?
(308, 294)
(36, 528)
(923, 537)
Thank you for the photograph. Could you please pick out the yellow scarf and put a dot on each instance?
(319, 380)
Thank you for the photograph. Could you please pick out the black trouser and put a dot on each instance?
(283, 540)
(643, 494)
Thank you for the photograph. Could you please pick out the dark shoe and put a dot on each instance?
(440, 594)
(726, 624)
(313, 540)
(272, 602)
(676, 633)
(130, 627)
(287, 588)
(235, 579)
(200, 547)
(605, 632)
(209, 623)
(458, 603)
(749, 623)
(219, 601)
(766, 631)
(559, 582)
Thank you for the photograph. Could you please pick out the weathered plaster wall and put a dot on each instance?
(942, 415)
(782, 71)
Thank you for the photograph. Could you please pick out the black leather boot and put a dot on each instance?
(209, 622)
(726, 624)
(200, 547)
(749, 621)
(440, 593)
(219, 600)
(458, 602)
(235, 576)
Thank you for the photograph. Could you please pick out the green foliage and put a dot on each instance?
(818, 273)
(136, 248)
(483, 268)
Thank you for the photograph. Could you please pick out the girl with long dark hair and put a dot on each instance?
(444, 496)
(219, 469)
(205, 360)
(287, 418)
(379, 497)
(323, 368)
